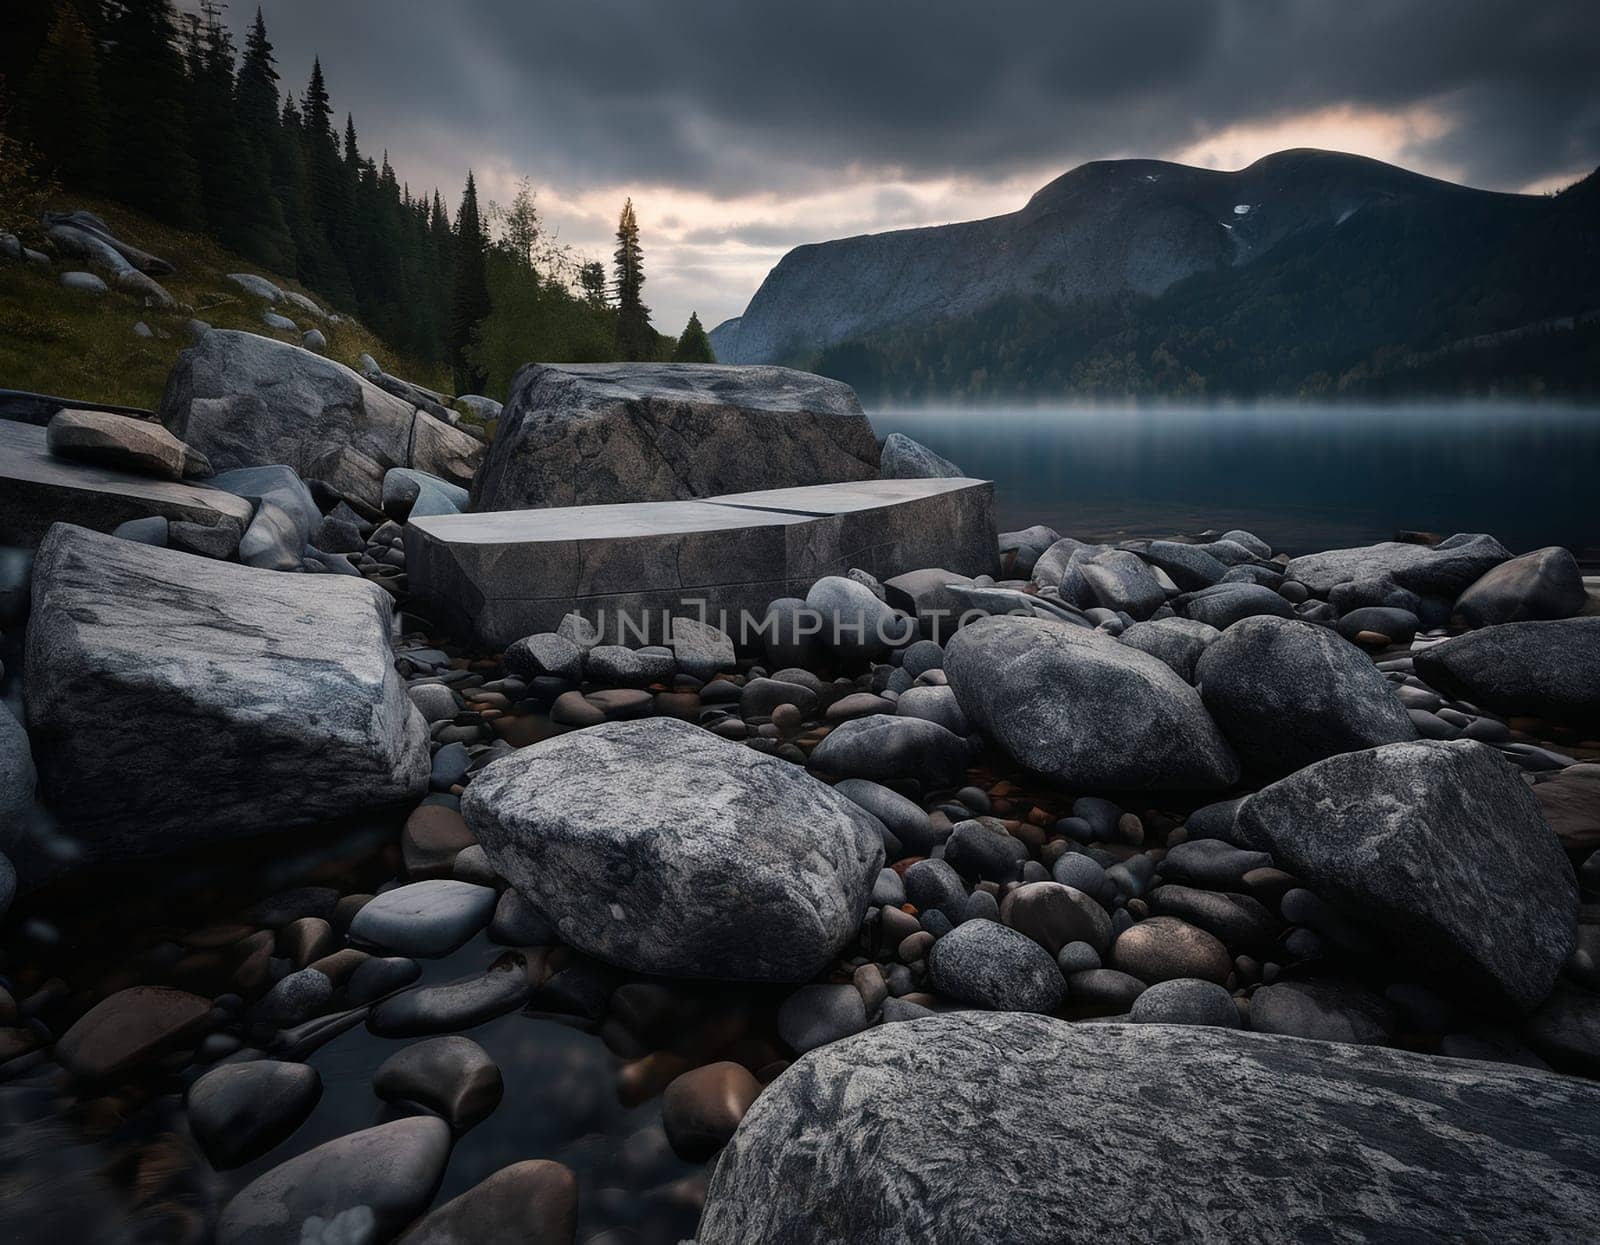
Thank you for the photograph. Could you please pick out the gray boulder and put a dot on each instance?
(392, 1170)
(1177, 641)
(1549, 669)
(1539, 585)
(408, 492)
(855, 622)
(285, 519)
(259, 287)
(83, 283)
(1032, 1140)
(661, 848)
(1081, 708)
(700, 649)
(884, 748)
(1225, 604)
(1120, 581)
(590, 434)
(1185, 1001)
(1027, 546)
(1287, 693)
(1441, 848)
(445, 451)
(175, 700)
(1443, 569)
(243, 400)
(990, 965)
(905, 459)
(1188, 566)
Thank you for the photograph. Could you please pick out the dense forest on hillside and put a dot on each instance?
(131, 100)
(1396, 301)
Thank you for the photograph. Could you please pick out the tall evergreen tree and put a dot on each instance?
(60, 108)
(636, 340)
(270, 199)
(693, 346)
(146, 90)
(469, 297)
(322, 265)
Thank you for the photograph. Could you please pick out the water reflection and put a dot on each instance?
(1301, 476)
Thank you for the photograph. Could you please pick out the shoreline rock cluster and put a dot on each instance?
(1172, 831)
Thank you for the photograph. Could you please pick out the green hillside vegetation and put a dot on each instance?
(1383, 304)
(59, 341)
(136, 107)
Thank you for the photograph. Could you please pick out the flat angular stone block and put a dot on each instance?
(506, 574)
(38, 489)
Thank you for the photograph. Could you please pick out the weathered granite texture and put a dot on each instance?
(175, 700)
(38, 489)
(247, 401)
(1018, 1128)
(603, 433)
(505, 575)
(663, 849)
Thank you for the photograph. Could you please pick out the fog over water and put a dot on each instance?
(1301, 476)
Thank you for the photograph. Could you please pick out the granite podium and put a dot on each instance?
(501, 575)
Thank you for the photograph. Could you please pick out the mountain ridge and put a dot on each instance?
(1118, 235)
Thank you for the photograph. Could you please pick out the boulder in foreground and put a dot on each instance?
(661, 848)
(1034, 1141)
(174, 700)
(1438, 846)
(1081, 708)
(601, 433)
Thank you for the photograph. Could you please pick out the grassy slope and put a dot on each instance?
(57, 341)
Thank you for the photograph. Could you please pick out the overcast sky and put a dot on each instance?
(742, 128)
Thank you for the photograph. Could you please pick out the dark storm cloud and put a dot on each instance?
(736, 97)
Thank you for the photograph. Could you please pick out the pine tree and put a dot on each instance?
(60, 108)
(592, 281)
(694, 346)
(322, 264)
(149, 164)
(636, 340)
(269, 197)
(469, 297)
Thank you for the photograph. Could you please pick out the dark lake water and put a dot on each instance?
(1300, 476)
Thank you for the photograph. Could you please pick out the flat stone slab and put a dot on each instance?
(38, 489)
(502, 575)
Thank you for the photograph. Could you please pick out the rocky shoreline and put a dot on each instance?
(1176, 866)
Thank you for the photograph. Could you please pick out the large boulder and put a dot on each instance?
(1287, 693)
(1081, 708)
(906, 459)
(244, 400)
(1551, 669)
(1023, 1129)
(1441, 848)
(1543, 584)
(597, 433)
(1443, 569)
(175, 700)
(661, 848)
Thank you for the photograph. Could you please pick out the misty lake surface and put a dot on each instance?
(1302, 477)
